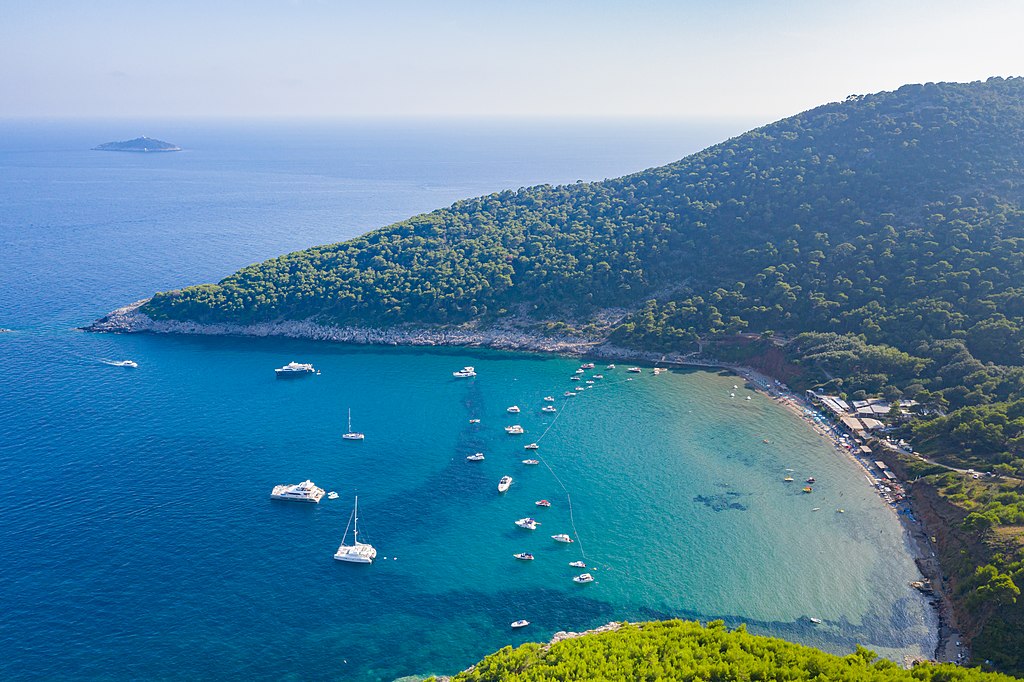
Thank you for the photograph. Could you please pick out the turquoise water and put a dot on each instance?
(138, 538)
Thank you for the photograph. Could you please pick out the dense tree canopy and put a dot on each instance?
(679, 650)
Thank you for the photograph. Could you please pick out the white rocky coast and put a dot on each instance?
(504, 336)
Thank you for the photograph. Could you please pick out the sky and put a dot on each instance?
(699, 59)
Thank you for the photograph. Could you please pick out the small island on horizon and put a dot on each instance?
(139, 144)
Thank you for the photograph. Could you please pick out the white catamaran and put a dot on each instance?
(351, 435)
(357, 552)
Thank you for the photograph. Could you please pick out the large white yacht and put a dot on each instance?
(465, 373)
(294, 369)
(299, 492)
(357, 552)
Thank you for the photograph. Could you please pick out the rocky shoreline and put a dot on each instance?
(504, 336)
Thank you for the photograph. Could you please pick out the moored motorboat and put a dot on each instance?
(634, 370)
(808, 489)
(575, 379)
(474, 421)
(524, 556)
(568, 394)
(599, 376)
(531, 446)
(578, 564)
(514, 430)
(299, 492)
(549, 398)
(788, 479)
(587, 365)
(810, 479)
(583, 578)
(332, 495)
(542, 503)
(816, 621)
(294, 369)
(531, 461)
(504, 483)
(562, 537)
(528, 523)
(465, 373)
(514, 409)
(476, 457)
(549, 408)
(520, 623)
(610, 367)
(579, 371)
(579, 388)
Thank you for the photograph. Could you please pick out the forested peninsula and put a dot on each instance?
(870, 247)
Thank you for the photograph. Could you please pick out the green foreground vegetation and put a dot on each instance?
(686, 651)
(882, 236)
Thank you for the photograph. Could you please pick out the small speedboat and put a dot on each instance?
(589, 381)
(568, 394)
(583, 578)
(816, 621)
(476, 457)
(810, 479)
(474, 421)
(513, 409)
(562, 537)
(549, 408)
(504, 483)
(599, 376)
(531, 461)
(524, 556)
(542, 503)
(514, 430)
(527, 523)
(332, 495)
(580, 388)
(634, 370)
(788, 479)
(579, 371)
(587, 365)
(520, 623)
(549, 398)
(124, 363)
(531, 446)
(575, 379)
(807, 489)
(578, 564)
(610, 367)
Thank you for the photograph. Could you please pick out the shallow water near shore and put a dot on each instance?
(138, 537)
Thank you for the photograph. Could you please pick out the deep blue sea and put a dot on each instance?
(136, 534)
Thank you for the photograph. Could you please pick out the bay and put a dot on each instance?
(138, 538)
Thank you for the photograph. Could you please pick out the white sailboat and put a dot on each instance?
(357, 552)
(351, 435)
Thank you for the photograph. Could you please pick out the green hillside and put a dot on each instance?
(674, 650)
(883, 236)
